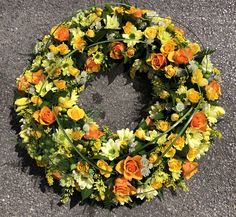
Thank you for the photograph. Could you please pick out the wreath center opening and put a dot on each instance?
(113, 99)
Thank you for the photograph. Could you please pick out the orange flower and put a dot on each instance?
(182, 56)
(56, 175)
(130, 167)
(23, 84)
(157, 61)
(213, 90)
(91, 66)
(44, 116)
(61, 33)
(123, 189)
(189, 169)
(199, 121)
(136, 12)
(37, 77)
(117, 48)
(94, 132)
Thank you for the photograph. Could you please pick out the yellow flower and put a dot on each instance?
(37, 134)
(22, 101)
(197, 78)
(163, 125)
(112, 22)
(170, 153)
(82, 167)
(118, 10)
(152, 158)
(140, 133)
(60, 84)
(193, 96)
(77, 135)
(164, 94)
(90, 33)
(36, 100)
(174, 117)
(105, 168)
(168, 47)
(192, 153)
(78, 43)
(179, 143)
(194, 47)
(73, 71)
(170, 71)
(63, 49)
(99, 11)
(175, 165)
(130, 52)
(53, 49)
(150, 32)
(76, 113)
(156, 185)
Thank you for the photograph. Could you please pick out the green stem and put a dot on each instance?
(75, 148)
(167, 131)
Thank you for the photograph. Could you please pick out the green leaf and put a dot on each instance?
(158, 116)
(86, 193)
(202, 54)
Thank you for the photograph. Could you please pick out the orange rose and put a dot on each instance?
(136, 12)
(44, 116)
(23, 84)
(182, 56)
(123, 189)
(157, 61)
(213, 90)
(130, 167)
(61, 33)
(199, 121)
(117, 48)
(189, 169)
(37, 77)
(91, 66)
(94, 132)
(56, 175)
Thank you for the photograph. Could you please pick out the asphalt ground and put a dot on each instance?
(119, 103)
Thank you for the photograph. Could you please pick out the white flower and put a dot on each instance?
(179, 107)
(111, 149)
(82, 77)
(112, 22)
(146, 166)
(147, 192)
(192, 65)
(84, 180)
(193, 137)
(181, 90)
(153, 134)
(126, 136)
(206, 64)
(60, 137)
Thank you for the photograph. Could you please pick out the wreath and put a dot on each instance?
(124, 167)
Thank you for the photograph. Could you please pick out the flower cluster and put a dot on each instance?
(125, 166)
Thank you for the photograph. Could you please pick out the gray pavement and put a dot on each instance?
(212, 190)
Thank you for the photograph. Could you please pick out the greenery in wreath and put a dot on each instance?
(126, 166)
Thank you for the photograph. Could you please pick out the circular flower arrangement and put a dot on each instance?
(128, 166)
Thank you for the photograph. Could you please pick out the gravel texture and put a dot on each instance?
(119, 103)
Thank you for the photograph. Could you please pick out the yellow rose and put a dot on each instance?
(168, 47)
(174, 117)
(105, 168)
(175, 165)
(63, 49)
(170, 71)
(60, 84)
(79, 43)
(77, 135)
(130, 52)
(90, 33)
(82, 167)
(170, 153)
(197, 78)
(163, 125)
(73, 71)
(192, 153)
(37, 134)
(53, 49)
(164, 94)
(36, 100)
(193, 96)
(194, 47)
(153, 158)
(76, 113)
(140, 133)
(179, 143)
(156, 185)
(150, 33)
(22, 101)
